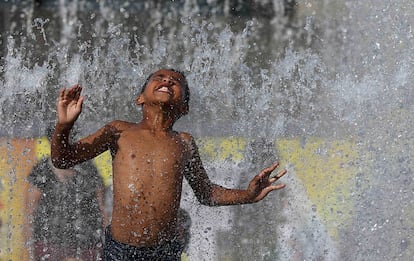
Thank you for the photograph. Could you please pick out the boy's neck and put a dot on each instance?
(157, 119)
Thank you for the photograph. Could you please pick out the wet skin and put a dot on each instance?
(149, 161)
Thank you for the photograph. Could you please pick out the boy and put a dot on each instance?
(149, 161)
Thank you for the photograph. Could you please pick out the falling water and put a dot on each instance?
(322, 87)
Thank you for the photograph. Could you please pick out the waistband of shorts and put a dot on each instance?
(108, 237)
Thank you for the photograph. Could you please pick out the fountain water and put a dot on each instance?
(323, 87)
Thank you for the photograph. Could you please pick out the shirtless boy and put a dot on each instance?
(149, 161)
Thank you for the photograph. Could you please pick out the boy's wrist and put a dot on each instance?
(63, 126)
(245, 197)
(249, 197)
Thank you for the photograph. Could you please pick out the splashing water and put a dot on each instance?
(324, 87)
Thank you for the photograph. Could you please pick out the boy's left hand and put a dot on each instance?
(262, 183)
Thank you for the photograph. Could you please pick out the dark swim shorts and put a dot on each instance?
(116, 251)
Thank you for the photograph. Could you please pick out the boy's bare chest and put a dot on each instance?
(148, 147)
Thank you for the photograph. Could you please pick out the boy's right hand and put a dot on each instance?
(69, 105)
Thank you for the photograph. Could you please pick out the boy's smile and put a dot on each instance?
(165, 89)
(164, 82)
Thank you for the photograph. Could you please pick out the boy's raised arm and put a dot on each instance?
(64, 154)
(214, 195)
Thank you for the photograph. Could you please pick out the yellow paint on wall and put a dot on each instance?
(326, 168)
(103, 163)
(222, 148)
(42, 148)
(16, 160)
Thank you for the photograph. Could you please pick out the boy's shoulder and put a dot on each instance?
(120, 124)
(186, 137)
(189, 140)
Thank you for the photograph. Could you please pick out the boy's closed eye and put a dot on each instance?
(161, 78)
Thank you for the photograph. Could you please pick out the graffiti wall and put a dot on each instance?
(320, 183)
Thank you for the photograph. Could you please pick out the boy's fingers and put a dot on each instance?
(278, 186)
(72, 93)
(80, 102)
(62, 94)
(273, 167)
(270, 189)
(78, 93)
(278, 176)
(281, 174)
(275, 187)
(268, 170)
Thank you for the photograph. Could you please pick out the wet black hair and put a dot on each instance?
(185, 84)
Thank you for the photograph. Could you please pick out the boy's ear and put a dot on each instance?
(140, 100)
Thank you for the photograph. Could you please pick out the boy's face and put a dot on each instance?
(165, 87)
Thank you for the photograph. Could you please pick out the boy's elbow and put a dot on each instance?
(59, 163)
(60, 157)
(209, 196)
(207, 201)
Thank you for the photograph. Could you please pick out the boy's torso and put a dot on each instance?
(147, 178)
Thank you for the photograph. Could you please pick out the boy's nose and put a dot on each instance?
(167, 80)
